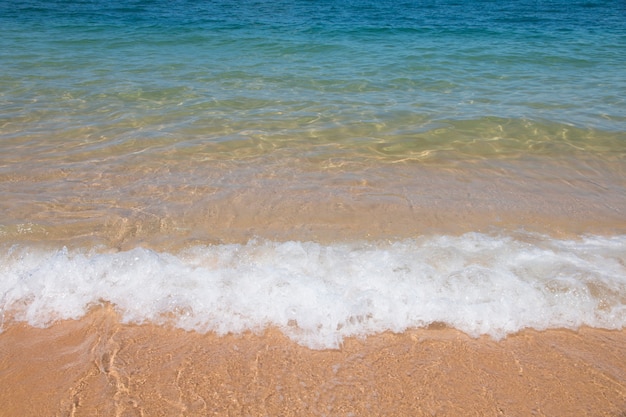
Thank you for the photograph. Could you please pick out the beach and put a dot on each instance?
(102, 364)
(303, 208)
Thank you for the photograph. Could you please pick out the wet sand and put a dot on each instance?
(99, 366)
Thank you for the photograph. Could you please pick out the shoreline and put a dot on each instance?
(313, 209)
(97, 365)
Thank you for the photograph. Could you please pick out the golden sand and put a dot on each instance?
(98, 366)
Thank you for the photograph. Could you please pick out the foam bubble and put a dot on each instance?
(319, 294)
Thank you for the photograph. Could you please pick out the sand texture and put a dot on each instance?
(97, 366)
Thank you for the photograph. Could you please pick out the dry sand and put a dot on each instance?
(97, 366)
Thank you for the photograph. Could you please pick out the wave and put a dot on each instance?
(319, 294)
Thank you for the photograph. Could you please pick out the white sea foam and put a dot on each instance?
(319, 294)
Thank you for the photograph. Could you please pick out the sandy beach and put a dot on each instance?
(98, 366)
(300, 208)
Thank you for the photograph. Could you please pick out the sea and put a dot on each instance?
(328, 168)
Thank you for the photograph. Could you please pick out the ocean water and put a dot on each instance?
(331, 168)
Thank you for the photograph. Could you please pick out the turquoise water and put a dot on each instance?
(356, 73)
(395, 160)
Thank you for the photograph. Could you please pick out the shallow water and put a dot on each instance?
(162, 128)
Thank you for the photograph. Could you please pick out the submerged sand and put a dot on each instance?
(99, 366)
(223, 204)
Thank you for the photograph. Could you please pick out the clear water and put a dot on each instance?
(171, 125)
(288, 72)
